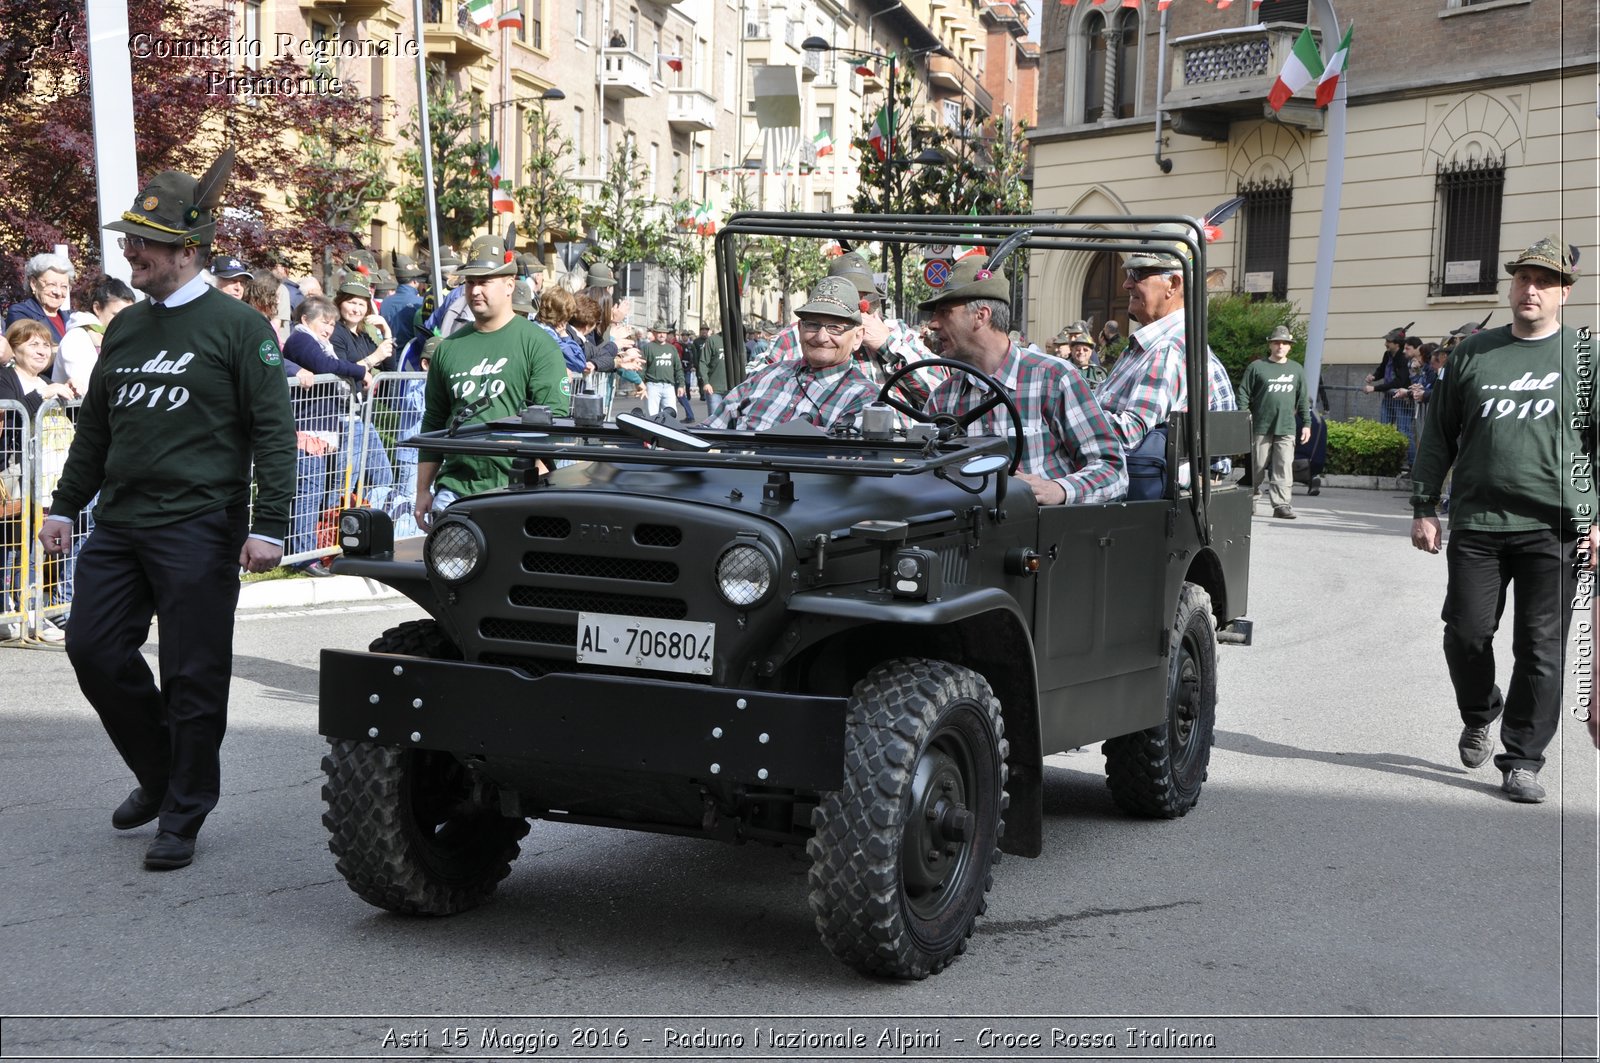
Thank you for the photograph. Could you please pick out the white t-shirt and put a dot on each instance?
(78, 353)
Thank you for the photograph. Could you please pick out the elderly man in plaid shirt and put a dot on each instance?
(1070, 451)
(886, 344)
(824, 386)
(1150, 382)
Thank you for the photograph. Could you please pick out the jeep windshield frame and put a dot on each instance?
(1119, 233)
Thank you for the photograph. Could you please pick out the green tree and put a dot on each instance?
(629, 225)
(460, 180)
(549, 202)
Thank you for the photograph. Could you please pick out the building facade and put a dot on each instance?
(1471, 133)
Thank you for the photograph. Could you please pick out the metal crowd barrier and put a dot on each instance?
(17, 519)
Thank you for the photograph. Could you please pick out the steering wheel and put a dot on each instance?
(947, 423)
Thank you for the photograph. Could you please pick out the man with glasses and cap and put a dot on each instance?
(492, 369)
(887, 344)
(1069, 449)
(188, 396)
(824, 386)
(1514, 419)
(1150, 381)
(1074, 344)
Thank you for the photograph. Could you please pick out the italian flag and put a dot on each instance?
(510, 19)
(1302, 69)
(482, 11)
(503, 203)
(880, 138)
(824, 143)
(1329, 81)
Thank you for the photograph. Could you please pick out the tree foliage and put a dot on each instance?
(460, 163)
(628, 224)
(47, 185)
(548, 201)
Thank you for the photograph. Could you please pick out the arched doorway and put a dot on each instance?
(1103, 296)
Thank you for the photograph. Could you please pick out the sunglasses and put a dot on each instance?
(836, 329)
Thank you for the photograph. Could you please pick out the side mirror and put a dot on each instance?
(995, 465)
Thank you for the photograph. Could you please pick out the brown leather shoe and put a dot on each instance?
(1283, 512)
(136, 811)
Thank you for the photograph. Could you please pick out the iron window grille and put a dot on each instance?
(1466, 226)
(1263, 246)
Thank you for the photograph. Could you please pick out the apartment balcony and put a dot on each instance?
(810, 65)
(691, 110)
(1224, 76)
(946, 73)
(450, 36)
(350, 11)
(624, 74)
(590, 188)
(757, 30)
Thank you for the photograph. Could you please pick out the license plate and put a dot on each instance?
(640, 642)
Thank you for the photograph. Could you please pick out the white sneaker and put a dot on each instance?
(10, 632)
(50, 631)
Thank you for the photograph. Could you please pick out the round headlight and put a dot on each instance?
(744, 575)
(455, 549)
(350, 524)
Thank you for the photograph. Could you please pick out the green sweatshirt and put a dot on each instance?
(662, 364)
(518, 365)
(1515, 419)
(1274, 392)
(711, 365)
(179, 403)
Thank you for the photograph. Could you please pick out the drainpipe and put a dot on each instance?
(1161, 88)
(896, 5)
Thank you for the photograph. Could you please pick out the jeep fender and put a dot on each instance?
(982, 629)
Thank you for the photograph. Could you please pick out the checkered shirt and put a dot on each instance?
(1149, 383)
(904, 347)
(792, 391)
(1066, 436)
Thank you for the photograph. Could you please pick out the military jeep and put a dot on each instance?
(862, 643)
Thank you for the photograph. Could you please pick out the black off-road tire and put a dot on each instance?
(403, 823)
(1158, 772)
(904, 854)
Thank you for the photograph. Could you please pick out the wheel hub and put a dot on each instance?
(939, 829)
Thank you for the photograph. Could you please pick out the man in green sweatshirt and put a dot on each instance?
(188, 392)
(1513, 415)
(1274, 391)
(494, 368)
(663, 371)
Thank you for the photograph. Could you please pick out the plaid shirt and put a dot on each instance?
(1066, 436)
(792, 391)
(902, 348)
(1150, 382)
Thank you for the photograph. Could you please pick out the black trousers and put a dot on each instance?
(187, 575)
(1482, 566)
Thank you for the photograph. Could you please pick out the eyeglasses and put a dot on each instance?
(1141, 274)
(835, 330)
(131, 243)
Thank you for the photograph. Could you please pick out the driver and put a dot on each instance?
(824, 386)
(1070, 452)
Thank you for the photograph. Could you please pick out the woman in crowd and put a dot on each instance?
(261, 293)
(50, 279)
(352, 339)
(555, 312)
(80, 346)
(25, 381)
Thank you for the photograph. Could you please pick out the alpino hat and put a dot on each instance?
(352, 288)
(522, 298)
(489, 258)
(854, 268)
(969, 280)
(383, 280)
(174, 208)
(834, 297)
(1077, 332)
(227, 267)
(600, 276)
(1281, 334)
(1551, 254)
(404, 268)
(1162, 254)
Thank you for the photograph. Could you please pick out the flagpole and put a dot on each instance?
(1332, 193)
(427, 160)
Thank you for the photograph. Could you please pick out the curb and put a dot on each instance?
(289, 593)
(1369, 483)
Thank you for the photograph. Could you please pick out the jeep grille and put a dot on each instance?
(593, 567)
(496, 627)
(547, 527)
(599, 602)
(657, 535)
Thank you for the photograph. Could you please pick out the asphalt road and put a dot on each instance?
(1344, 888)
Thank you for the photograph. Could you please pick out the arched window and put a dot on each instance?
(1125, 94)
(1094, 68)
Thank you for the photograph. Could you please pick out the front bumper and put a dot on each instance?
(616, 723)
